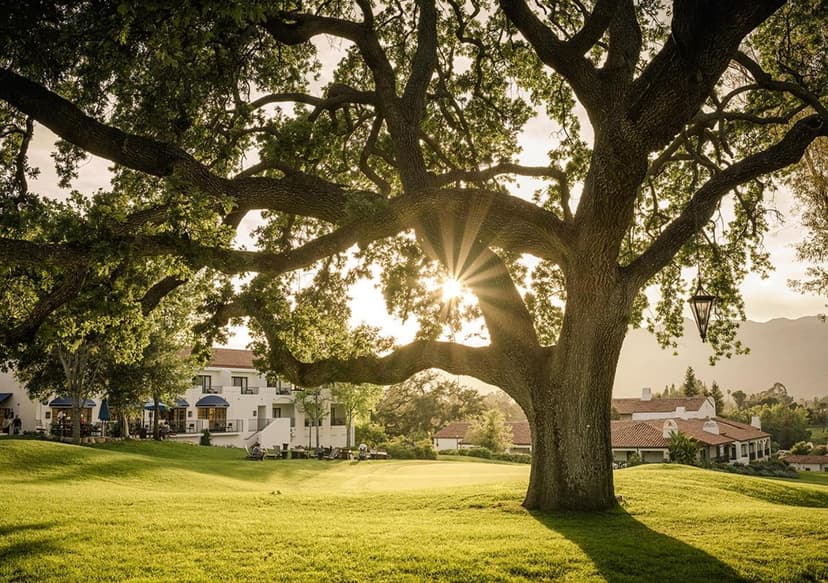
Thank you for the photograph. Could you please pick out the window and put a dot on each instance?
(204, 381)
(277, 412)
(241, 383)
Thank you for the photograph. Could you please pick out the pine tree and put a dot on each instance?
(692, 386)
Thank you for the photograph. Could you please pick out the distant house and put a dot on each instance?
(720, 440)
(647, 429)
(453, 436)
(647, 407)
(808, 463)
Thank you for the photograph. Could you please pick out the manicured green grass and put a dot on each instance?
(170, 512)
(814, 477)
(819, 434)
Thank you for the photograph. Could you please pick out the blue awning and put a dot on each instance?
(181, 403)
(212, 401)
(66, 403)
(4, 396)
(150, 406)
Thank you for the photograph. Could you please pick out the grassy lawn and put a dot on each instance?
(170, 512)
(819, 434)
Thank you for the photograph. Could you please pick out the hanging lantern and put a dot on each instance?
(701, 304)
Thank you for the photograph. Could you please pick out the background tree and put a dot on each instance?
(357, 401)
(424, 404)
(690, 124)
(739, 397)
(316, 405)
(499, 401)
(785, 425)
(490, 431)
(691, 386)
(718, 396)
(683, 448)
(800, 448)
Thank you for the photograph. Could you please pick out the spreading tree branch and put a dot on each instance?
(701, 207)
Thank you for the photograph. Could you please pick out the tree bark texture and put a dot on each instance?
(571, 404)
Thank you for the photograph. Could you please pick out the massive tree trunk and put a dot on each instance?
(571, 403)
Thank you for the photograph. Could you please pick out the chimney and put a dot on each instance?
(681, 412)
(646, 394)
(669, 428)
(754, 420)
(710, 426)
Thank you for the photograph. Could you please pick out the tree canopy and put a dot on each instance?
(383, 139)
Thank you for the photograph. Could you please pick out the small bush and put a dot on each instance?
(633, 460)
(481, 452)
(519, 458)
(448, 452)
(205, 437)
(400, 448)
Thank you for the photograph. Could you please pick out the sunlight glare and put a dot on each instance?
(452, 289)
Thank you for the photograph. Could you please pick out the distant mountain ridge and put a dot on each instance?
(792, 352)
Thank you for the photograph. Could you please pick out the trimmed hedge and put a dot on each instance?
(483, 453)
(768, 468)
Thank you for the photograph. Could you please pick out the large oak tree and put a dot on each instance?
(667, 125)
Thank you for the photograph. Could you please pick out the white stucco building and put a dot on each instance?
(720, 440)
(808, 463)
(229, 398)
(645, 408)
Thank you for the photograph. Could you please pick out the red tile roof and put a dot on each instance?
(521, 434)
(454, 430)
(807, 459)
(650, 433)
(630, 406)
(637, 434)
(232, 358)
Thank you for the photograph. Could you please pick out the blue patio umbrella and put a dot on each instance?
(103, 415)
(150, 406)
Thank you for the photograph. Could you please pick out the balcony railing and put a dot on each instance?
(249, 390)
(199, 425)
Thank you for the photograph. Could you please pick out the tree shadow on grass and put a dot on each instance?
(625, 550)
(11, 554)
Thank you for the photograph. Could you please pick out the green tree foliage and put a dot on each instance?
(740, 398)
(683, 448)
(718, 396)
(669, 126)
(786, 425)
(775, 395)
(315, 404)
(498, 400)
(490, 431)
(691, 386)
(357, 401)
(372, 434)
(424, 404)
(800, 448)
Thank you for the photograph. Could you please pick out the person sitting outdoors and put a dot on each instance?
(257, 453)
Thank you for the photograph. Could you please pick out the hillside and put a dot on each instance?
(170, 512)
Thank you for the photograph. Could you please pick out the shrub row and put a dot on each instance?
(768, 468)
(485, 453)
(409, 451)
